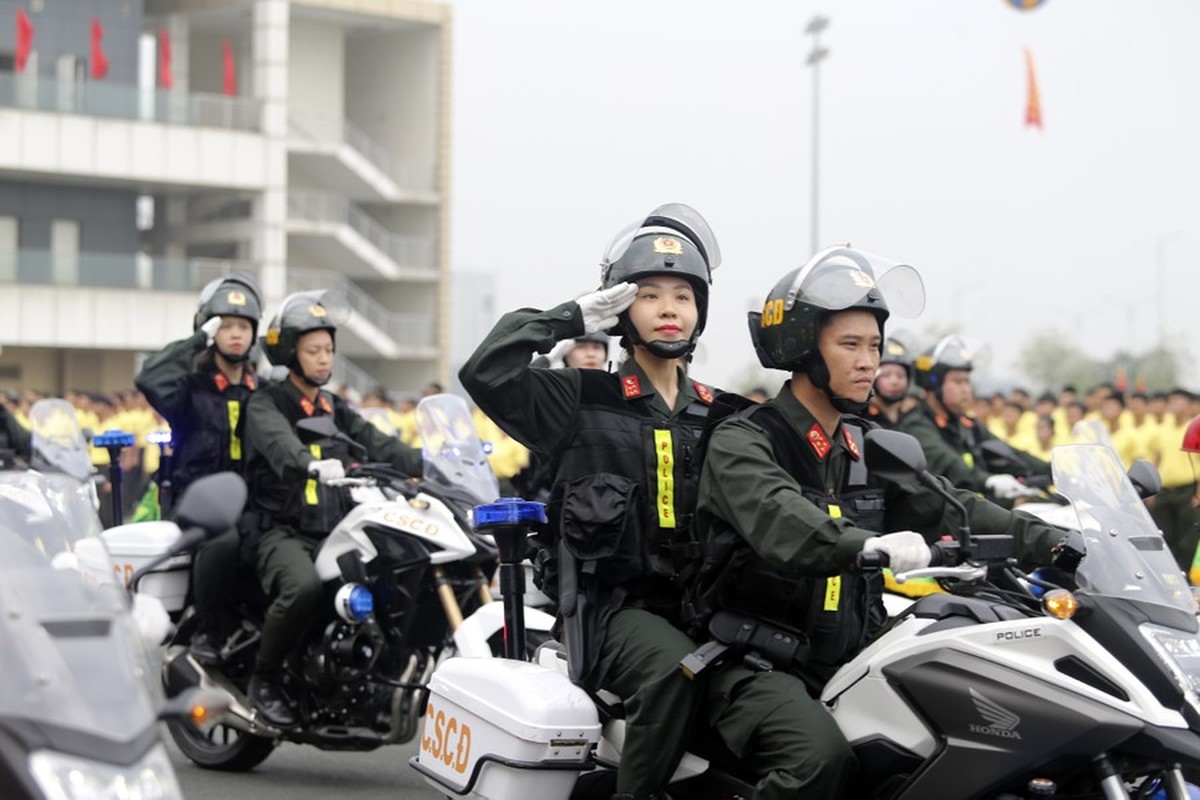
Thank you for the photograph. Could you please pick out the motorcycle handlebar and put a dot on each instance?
(940, 554)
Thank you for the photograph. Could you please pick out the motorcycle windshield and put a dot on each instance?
(454, 456)
(70, 656)
(57, 442)
(1126, 554)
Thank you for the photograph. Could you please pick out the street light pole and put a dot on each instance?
(815, 57)
(1161, 261)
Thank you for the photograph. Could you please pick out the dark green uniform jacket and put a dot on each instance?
(952, 448)
(743, 488)
(12, 435)
(205, 411)
(625, 464)
(281, 490)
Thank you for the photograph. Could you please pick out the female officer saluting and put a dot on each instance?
(200, 386)
(621, 446)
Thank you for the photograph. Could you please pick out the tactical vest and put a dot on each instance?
(964, 435)
(303, 503)
(833, 617)
(210, 438)
(624, 493)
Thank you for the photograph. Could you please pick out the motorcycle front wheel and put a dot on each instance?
(221, 748)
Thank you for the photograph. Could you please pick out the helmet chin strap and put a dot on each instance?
(818, 375)
(888, 398)
(234, 359)
(662, 349)
(296, 370)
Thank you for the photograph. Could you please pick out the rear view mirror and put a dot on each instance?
(324, 427)
(1145, 478)
(213, 503)
(894, 456)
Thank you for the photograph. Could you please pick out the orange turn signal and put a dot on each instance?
(1060, 604)
(199, 714)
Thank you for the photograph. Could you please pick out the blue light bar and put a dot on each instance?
(362, 603)
(113, 438)
(509, 511)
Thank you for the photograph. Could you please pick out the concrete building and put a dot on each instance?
(306, 141)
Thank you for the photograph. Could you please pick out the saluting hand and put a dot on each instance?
(210, 328)
(600, 309)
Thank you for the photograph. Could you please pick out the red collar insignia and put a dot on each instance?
(248, 379)
(631, 386)
(967, 422)
(940, 419)
(703, 392)
(309, 408)
(221, 381)
(820, 445)
(851, 445)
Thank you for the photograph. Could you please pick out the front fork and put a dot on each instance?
(1114, 788)
(448, 599)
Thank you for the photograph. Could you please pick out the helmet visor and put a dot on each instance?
(671, 218)
(839, 277)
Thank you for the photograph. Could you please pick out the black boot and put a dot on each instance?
(266, 694)
(204, 648)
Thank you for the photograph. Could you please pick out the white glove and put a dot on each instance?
(1005, 487)
(210, 328)
(558, 354)
(152, 621)
(600, 309)
(327, 469)
(906, 550)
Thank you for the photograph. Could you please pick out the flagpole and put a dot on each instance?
(815, 56)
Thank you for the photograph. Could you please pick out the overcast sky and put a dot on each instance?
(571, 118)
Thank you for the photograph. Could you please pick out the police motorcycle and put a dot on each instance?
(1081, 683)
(406, 585)
(79, 708)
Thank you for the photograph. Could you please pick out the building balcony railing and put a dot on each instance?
(112, 270)
(324, 129)
(117, 101)
(406, 329)
(405, 251)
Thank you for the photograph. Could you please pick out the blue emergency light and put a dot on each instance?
(509, 511)
(159, 437)
(113, 438)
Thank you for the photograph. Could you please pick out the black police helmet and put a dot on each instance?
(950, 352)
(301, 313)
(673, 239)
(232, 295)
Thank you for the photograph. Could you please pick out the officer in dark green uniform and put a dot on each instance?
(290, 505)
(623, 451)
(786, 504)
(12, 435)
(952, 440)
(891, 399)
(200, 386)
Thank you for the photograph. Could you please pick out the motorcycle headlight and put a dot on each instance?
(354, 602)
(63, 777)
(1179, 652)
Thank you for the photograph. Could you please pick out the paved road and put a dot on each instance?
(296, 771)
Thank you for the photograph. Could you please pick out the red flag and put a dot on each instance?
(230, 84)
(165, 79)
(24, 38)
(99, 60)
(1033, 105)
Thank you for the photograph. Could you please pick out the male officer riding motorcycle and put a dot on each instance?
(891, 400)
(200, 386)
(786, 504)
(290, 510)
(952, 441)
